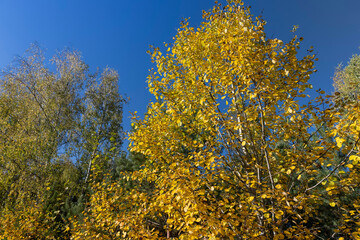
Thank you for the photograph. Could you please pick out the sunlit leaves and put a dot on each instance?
(230, 152)
(54, 121)
(227, 95)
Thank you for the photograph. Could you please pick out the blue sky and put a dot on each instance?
(117, 33)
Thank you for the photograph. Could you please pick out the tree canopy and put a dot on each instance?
(231, 147)
(55, 122)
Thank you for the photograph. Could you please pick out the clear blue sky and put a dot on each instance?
(118, 33)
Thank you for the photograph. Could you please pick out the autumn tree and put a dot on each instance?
(231, 152)
(347, 79)
(331, 218)
(225, 150)
(114, 202)
(56, 121)
(345, 190)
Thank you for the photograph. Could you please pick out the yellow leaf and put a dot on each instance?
(179, 122)
(339, 142)
(349, 166)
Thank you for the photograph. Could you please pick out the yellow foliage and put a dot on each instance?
(214, 173)
(230, 152)
(24, 222)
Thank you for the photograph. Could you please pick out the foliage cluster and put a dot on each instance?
(232, 147)
(56, 125)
